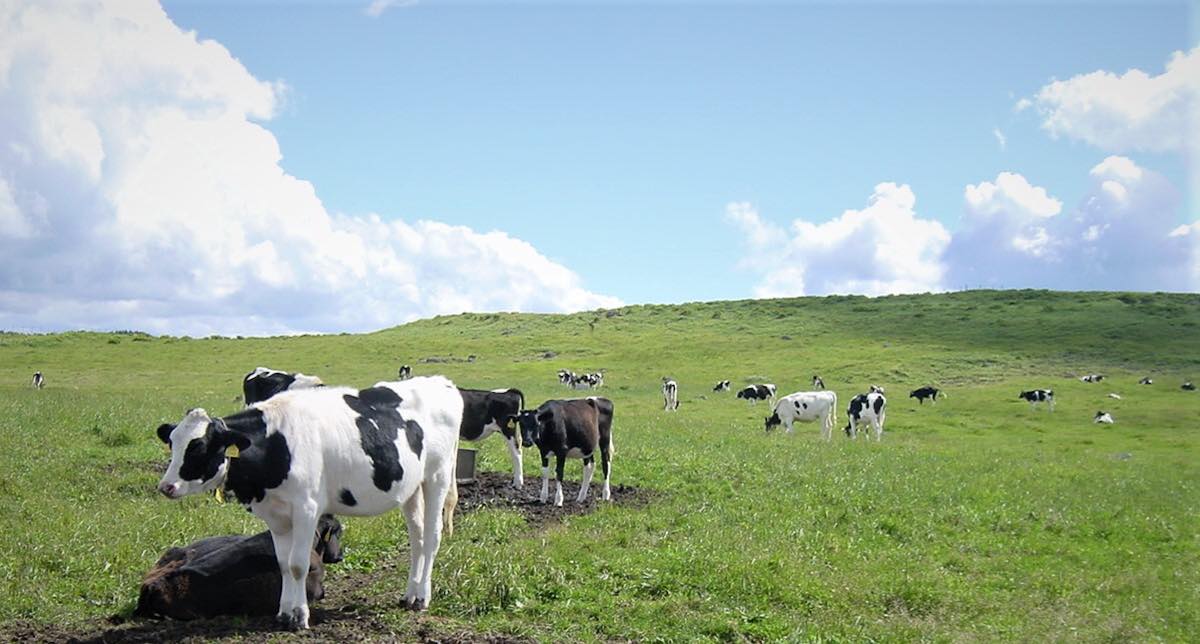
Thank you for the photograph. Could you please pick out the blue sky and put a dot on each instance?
(668, 152)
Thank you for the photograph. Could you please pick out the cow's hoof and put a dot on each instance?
(290, 621)
(417, 605)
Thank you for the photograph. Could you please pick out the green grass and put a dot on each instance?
(975, 519)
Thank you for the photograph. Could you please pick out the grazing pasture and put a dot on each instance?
(974, 519)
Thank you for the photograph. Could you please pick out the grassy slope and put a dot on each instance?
(978, 518)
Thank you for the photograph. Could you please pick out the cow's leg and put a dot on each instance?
(434, 489)
(877, 425)
(281, 539)
(545, 477)
(414, 518)
(589, 466)
(853, 427)
(560, 461)
(304, 528)
(514, 454)
(449, 505)
(606, 465)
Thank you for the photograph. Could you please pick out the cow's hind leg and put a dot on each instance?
(606, 466)
(434, 491)
(414, 518)
(560, 461)
(304, 527)
(514, 454)
(545, 477)
(589, 467)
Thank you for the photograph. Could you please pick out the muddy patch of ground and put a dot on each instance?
(349, 612)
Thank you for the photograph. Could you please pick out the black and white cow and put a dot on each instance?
(755, 393)
(875, 389)
(1035, 396)
(670, 392)
(869, 407)
(231, 575)
(405, 372)
(805, 406)
(817, 383)
(262, 383)
(39, 381)
(924, 392)
(565, 377)
(586, 380)
(1188, 386)
(328, 450)
(722, 385)
(1091, 377)
(1146, 381)
(571, 429)
(487, 412)
(1103, 417)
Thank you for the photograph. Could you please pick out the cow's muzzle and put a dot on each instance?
(168, 489)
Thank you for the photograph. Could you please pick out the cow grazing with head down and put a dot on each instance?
(575, 428)
(487, 412)
(1091, 377)
(870, 408)
(262, 383)
(1103, 417)
(39, 381)
(1188, 386)
(1035, 396)
(817, 383)
(328, 450)
(722, 385)
(805, 406)
(405, 372)
(1146, 381)
(755, 393)
(670, 392)
(924, 392)
(233, 575)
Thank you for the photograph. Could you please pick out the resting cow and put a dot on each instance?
(233, 575)
(331, 450)
(571, 429)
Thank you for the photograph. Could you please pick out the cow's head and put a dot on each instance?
(198, 454)
(329, 539)
(772, 421)
(530, 427)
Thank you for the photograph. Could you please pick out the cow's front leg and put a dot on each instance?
(304, 528)
(514, 454)
(414, 518)
(560, 460)
(589, 466)
(545, 476)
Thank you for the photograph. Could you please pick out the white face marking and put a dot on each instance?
(193, 426)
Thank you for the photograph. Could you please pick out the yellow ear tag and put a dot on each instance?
(232, 452)
(219, 495)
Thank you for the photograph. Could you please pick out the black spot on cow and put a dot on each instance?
(348, 499)
(379, 424)
(263, 462)
(261, 386)
(878, 406)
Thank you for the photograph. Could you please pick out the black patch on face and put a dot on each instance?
(379, 424)
(347, 498)
(203, 456)
(528, 422)
(772, 421)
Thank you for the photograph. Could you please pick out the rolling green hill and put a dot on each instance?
(978, 518)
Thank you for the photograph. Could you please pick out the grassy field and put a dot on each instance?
(975, 519)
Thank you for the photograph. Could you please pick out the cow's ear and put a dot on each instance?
(226, 437)
(164, 432)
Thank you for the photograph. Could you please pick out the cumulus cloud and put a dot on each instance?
(1124, 235)
(883, 248)
(1126, 112)
(140, 189)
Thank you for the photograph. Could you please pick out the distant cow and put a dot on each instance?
(405, 372)
(1091, 377)
(1103, 417)
(670, 392)
(875, 389)
(565, 377)
(805, 406)
(571, 429)
(262, 383)
(817, 383)
(587, 380)
(755, 393)
(1035, 396)
(722, 385)
(1115, 396)
(871, 408)
(1146, 381)
(924, 392)
(234, 575)
(1188, 386)
(38, 380)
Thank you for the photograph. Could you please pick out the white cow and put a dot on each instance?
(805, 406)
(1103, 417)
(328, 450)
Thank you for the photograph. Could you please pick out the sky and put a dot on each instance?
(272, 168)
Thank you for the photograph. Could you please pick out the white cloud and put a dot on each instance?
(1011, 192)
(139, 189)
(1000, 138)
(1131, 111)
(377, 7)
(883, 248)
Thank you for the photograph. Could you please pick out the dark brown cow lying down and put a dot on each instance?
(233, 575)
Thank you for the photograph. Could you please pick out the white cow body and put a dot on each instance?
(806, 406)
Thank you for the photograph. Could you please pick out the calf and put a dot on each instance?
(262, 383)
(1146, 381)
(670, 392)
(1091, 377)
(869, 407)
(405, 372)
(234, 575)
(755, 393)
(817, 383)
(38, 380)
(1103, 417)
(722, 385)
(805, 406)
(923, 393)
(332, 450)
(571, 429)
(1035, 396)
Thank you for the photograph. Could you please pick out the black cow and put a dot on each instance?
(1188, 386)
(755, 393)
(571, 429)
(233, 575)
(722, 385)
(925, 392)
(1035, 396)
(262, 383)
(486, 412)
